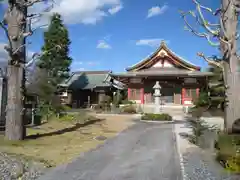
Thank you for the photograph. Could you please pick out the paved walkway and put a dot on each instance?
(142, 152)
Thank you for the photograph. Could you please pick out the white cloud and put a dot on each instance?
(115, 9)
(103, 45)
(156, 10)
(80, 11)
(149, 42)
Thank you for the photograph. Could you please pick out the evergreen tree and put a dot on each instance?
(216, 88)
(213, 96)
(56, 42)
(56, 64)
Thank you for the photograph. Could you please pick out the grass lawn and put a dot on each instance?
(57, 142)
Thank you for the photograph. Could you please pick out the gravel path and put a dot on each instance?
(196, 163)
(13, 167)
(145, 151)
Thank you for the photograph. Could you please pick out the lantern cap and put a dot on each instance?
(157, 85)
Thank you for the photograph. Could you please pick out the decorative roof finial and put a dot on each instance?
(163, 42)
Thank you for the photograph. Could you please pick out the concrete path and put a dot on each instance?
(142, 152)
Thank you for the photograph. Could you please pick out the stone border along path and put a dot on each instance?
(197, 164)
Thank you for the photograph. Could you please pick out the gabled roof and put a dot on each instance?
(169, 53)
(87, 80)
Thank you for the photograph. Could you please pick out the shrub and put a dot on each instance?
(202, 100)
(198, 127)
(97, 107)
(68, 117)
(233, 163)
(197, 112)
(127, 102)
(228, 151)
(130, 109)
(117, 98)
(157, 117)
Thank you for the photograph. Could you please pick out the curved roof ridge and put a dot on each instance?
(165, 47)
(144, 59)
(185, 60)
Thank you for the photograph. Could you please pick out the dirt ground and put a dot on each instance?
(58, 142)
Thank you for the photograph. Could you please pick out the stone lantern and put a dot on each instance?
(157, 96)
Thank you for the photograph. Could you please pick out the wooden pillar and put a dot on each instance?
(142, 95)
(183, 95)
(129, 93)
(197, 92)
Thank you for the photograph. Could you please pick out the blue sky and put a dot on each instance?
(115, 34)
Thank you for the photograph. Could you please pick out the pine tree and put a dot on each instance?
(213, 96)
(56, 63)
(216, 88)
(56, 41)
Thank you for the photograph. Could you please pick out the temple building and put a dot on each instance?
(179, 79)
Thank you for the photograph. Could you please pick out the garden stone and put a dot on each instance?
(17, 170)
(12, 167)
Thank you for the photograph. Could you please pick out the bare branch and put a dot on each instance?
(191, 29)
(30, 31)
(205, 24)
(203, 7)
(32, 2)
(210, 60)
(216, 13)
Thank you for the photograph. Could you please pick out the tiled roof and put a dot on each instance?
(87, 80)
(152, 55)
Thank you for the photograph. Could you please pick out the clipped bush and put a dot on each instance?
(97, 107)
(130, 109)
(157, 117)
(228, 151)
(202, 100)
(233, 164)
(117, 98)
(67, 117)
(127, 102)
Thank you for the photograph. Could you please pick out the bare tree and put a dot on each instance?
(17, 25)
(225, 32)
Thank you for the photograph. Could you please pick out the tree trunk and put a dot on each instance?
(232, 109)
(15, 129)
(229, 18)
(16, 18)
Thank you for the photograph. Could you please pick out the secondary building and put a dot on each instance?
(86, 88)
